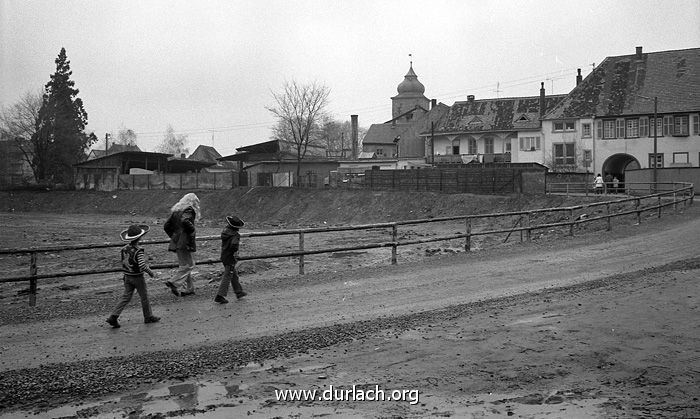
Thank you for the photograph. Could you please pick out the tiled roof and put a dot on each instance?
(615, 86)
(204, 153)
(506, 114)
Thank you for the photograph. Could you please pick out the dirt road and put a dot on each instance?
(518, 339)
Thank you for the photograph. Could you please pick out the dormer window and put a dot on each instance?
(523, 118)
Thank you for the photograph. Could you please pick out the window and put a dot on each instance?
(644, 127)
(696, 124)
(680, 125)
(529, 143)
(455, 147)
(564, 154)
(659, 127)
(507, 144)
(379, 152)
(680, 158)
(564, 125)
(620, 128)
(586, 130)
(599, 129)
(587, 158)
(472, 146)
(632, 128)
(488, 145)
(659, 160)
(609, 129)
(668, 125)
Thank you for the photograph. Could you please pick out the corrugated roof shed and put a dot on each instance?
(615, 86)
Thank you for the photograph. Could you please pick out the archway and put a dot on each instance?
(617, 164)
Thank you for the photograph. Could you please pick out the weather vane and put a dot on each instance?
(410, 59)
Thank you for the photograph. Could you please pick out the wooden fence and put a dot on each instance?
(681, 193)
(464, 180)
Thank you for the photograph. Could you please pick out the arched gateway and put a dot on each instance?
(617, 164)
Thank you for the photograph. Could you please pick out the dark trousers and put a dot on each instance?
(131, 283)
(229, 274)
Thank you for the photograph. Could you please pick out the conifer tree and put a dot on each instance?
(60, 140)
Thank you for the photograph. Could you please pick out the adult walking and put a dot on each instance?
(598, 184)
(180, 227)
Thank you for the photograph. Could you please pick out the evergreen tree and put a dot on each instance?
(60, 140)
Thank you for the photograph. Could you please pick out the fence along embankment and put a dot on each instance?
(524, 222)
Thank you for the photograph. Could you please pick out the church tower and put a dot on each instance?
(410, 95)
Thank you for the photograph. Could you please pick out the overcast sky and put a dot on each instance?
(208, 67)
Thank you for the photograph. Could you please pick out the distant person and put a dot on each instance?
(230, 240)
(598, 184)
(608, 182)
(134, 266)
(180, 227)
(616, 184)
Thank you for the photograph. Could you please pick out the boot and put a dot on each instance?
(221, 300)
(152, 319)
(112, 320)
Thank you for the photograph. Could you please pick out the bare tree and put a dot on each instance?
(300, 109)
(173, 143)
(126, 136)
(18, 123)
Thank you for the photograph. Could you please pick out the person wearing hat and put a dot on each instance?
(230, 239)
(134, 265)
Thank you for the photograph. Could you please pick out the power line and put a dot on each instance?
(553, 75)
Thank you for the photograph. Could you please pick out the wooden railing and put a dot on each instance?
(679, 193)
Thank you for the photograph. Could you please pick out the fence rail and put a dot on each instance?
(681, 193)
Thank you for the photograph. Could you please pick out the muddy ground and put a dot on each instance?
(603, 324)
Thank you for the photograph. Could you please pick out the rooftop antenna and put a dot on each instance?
(498, 89)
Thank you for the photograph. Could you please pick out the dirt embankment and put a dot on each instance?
(282, 206)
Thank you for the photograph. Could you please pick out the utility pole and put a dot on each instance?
(432, 143)
(656, 102)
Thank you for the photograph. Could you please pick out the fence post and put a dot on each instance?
(658, 204)
(692, 195)
(607, 210)
(675, 203)
(573, 222)
(639, 213)
(528, 232)
(32, 280)
(394, 237)
(301, 257)
(468, 239)
(585, 188)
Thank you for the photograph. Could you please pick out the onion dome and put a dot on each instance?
(410, 84)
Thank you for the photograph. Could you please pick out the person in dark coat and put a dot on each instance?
(230, 240)
(180, 227)
(134, 266)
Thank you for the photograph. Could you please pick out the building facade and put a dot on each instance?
(632, 111)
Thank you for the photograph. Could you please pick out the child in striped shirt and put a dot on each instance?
(134, 265)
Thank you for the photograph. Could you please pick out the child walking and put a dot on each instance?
(134, 265)
(230, 239)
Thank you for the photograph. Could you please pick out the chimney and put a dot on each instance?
(639, 53)
(182, 155)
(433, 103)
(353, 125)
(542, 100)
(579, 77)
(106, 143)
(470, 98)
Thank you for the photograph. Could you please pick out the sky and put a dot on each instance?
(208, 68)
